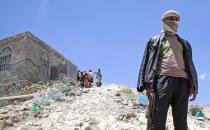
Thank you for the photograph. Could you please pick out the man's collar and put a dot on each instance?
(163, 36)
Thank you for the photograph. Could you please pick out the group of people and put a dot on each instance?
(86, 78)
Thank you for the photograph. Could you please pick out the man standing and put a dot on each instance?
(90, 76)
(168, 75)
(98, 78)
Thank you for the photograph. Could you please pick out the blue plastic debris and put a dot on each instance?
(199, 114)
(143, 100)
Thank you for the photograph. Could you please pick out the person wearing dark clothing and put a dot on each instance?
(82, 79)
(86, 81)
(98, 78)
(90, 76)
(168, 75)
(79, 75)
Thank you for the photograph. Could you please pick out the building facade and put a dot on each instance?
(26, 57)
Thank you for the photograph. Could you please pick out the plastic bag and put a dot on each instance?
(35, 108)
(143, 100)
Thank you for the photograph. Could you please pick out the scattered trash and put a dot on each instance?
(143, 101)
(41, 102)
(130, 104)
(43, 112)
(65, 88)
(62, 77)
(141, 107)
(199, 114)
(35, 108)
(54, 94)
(196, 111)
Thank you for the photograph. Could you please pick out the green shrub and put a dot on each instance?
(41, 83)
(126, 90)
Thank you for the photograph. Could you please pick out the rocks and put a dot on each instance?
(14, 88)
(126, 116)
(9, 122)
(201, 118)
(16, 119)
(23, 108)
(118, 94)
(45, 115)
(86, 109)
(84, 126)
(4, 116)
(87, 128)
(2, 124)
(4, 111)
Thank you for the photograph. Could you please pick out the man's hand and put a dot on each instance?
(149, 93)
(192, 94)
(149, 96)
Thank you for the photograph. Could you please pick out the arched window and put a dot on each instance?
(5, 58)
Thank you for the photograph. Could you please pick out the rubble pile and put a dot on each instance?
(67, 106)
(14, 88)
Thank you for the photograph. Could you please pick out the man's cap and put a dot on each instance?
(170, 13)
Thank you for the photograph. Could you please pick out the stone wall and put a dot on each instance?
(14, 88)
(31, 59)
(40, 60)
(17, 65)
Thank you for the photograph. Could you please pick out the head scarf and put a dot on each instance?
(170, 25)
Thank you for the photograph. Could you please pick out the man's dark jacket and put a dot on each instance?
(150, 59)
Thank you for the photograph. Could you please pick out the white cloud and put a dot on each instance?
(202, 76)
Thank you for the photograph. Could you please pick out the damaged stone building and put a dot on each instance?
(26, 57)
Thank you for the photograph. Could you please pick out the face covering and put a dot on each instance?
(170, 26)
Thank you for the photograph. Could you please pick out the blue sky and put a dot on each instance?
(110, 34)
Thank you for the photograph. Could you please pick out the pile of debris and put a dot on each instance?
(64, 105)
(23, 107)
